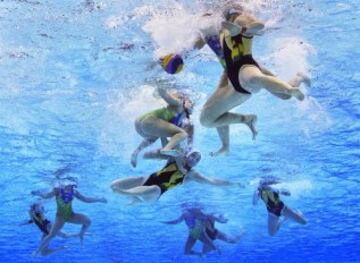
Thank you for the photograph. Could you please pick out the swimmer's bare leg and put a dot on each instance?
(155, 155)
(223, 133)
(190, 242)
(229, 239)
(133, 200)
(232, 118)
(274, 224)
(164, 129)
(82, 220)
(146, 193)
(127, 183)
(296, 216)
(208, 244)
(299, 79)
(252, 77)
(145, 143)
(56, 227)
(47, 251)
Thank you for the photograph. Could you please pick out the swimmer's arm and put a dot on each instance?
(189, 128)
(174, 222)
(254, 28)
(220, 218)
(43, 195)
(199, 43)
(193, 175)
(155, 155)
(89, 199)
(27, 222)
(170, 99)
(284, 191)
(255, 197)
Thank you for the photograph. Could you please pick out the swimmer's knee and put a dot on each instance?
(183, 134)
(206, 121)
(87, 222)
(114, 186)
(272, 233)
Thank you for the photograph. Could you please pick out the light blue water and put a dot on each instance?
(69, 94)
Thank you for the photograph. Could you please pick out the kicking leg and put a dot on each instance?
(156, 127)
(127, 183)
(295, 216)
(222, 236)
(145, 143)
(146, 193)
(254, 79)
(224, 134)
(56, 227)
(190, 242)
(273, 224)
(82, 220)
(299, 79)
(208, 244)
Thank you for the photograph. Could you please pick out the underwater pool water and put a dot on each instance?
(75, 75)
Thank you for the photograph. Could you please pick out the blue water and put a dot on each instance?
(69, 94)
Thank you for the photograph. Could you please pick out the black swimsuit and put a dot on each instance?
(41, 224)
(273, 206)
(166, 178)
(233, 66)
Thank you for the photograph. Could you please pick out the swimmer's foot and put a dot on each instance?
(171, 153)
(52, 251)
(297, 94)
(299, 79)
(134, 159)
(250, 121)
(134, 200)
(224, 150)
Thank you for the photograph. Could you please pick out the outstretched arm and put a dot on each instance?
(193, 175)
(27, 222)
(174, 222)
(219, 218)
(284, 191)
(43, 195)
(255, 197)
(169, 98)
(199, 43)
(89, 199)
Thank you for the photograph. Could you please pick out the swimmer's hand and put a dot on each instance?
(240, 185)
(102, 200)
(36, 192)
(232, 28)
(285, 192)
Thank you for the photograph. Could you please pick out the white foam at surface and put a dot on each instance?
(121, 114)
(290, 56)
(297, 188)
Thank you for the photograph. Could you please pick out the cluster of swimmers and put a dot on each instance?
(242, 77)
